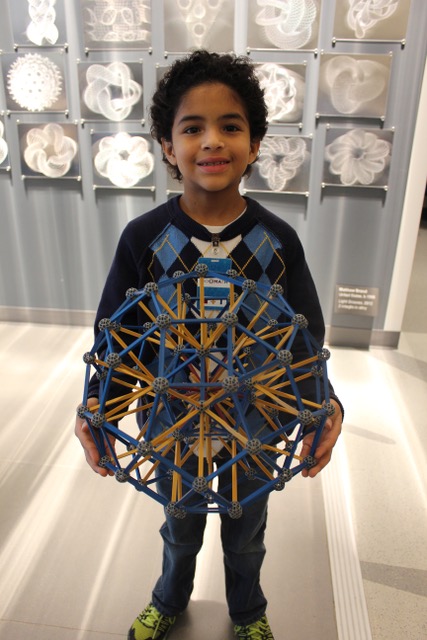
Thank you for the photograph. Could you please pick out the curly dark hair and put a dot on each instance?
(202, 67)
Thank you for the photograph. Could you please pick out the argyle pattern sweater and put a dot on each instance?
(155, 245)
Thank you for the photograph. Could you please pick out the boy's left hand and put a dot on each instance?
(327, 442)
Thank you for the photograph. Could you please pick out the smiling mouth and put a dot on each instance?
(212, 164)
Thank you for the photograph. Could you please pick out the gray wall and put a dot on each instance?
(57, 237)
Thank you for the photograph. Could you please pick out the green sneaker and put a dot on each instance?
(151, 625)
(259, 630)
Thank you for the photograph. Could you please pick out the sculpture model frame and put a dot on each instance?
(228, 382)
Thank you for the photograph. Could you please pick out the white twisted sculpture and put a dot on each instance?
(124, 159)
(283, 91)
(358, 157)
(353, 82)
(103, 84)
(280, 160)
(34, 82)
(49, 151)
(42, 27)
(288, 24)
(363, 15)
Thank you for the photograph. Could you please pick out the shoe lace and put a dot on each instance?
(153, 619)
(259, 630)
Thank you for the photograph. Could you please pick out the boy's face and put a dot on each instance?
(211, 143)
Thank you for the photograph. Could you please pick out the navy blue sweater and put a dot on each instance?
(155, 245)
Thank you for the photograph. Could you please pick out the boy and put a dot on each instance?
(209, 116)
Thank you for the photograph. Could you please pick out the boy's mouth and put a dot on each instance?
(212, 163)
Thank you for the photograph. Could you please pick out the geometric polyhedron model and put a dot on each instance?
(223, 388)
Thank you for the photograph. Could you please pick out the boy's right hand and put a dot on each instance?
(82, 432)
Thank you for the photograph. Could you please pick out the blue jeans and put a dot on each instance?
(243, 547)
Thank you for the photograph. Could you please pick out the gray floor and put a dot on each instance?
(79, 554)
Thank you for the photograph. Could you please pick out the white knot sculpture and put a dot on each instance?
(49, 151)
(283, 91)
(111, 90)
(358, 157)
(42, 27)
(353, 82)
(124, 159)
(280, 160)
(288, 24)
(364, 15)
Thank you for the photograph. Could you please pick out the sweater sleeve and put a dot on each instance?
(301, 290)
(302, 296)
(123, 274)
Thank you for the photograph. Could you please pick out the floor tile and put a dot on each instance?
(79, 554)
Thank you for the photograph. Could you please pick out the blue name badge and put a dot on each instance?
(216, 290)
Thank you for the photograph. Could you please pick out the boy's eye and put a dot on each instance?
(229, 128)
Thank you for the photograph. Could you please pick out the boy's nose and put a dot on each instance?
(212, 140)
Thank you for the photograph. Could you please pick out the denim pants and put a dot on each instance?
(243, 548)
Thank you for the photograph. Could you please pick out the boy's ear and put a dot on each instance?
(167, 148)
(254, 150)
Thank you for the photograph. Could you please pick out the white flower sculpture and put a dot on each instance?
(280, 160)
(358, 157)
(283, 92)
(49, 151)
(42, 27)
(3, 144)
(124, 159)
(34, 82)
(111, 90)
(353, 82)
(363, 15)
(288, 24)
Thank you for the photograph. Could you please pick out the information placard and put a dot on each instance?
(360, 301)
